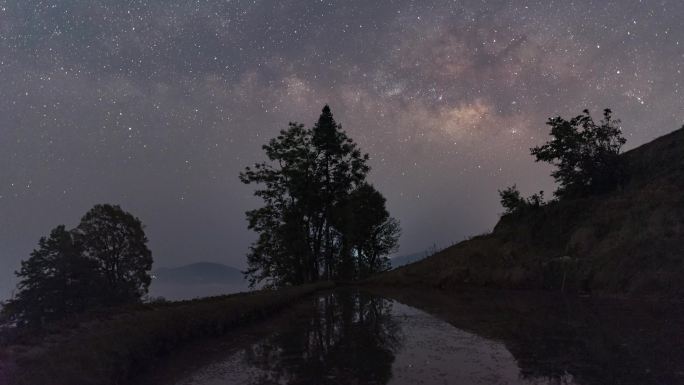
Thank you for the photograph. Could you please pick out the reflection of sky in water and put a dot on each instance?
(435, 352)
(231, 371)
(429, 351)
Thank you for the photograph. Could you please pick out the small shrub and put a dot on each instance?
(513, 202)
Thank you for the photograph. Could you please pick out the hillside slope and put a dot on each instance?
(629, 241)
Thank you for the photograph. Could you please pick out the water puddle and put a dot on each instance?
(352, 337)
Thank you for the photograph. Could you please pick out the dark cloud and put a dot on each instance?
(157, 105)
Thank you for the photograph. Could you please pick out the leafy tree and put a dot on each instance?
(586, 154)
(103, 261)
(511, 200)
(284, 252)
(310, 174)
(369, 233)
(117, 241)
(56, 280)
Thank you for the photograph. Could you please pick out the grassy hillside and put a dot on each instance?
(629, 241)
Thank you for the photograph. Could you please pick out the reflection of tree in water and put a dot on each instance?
(349, 338)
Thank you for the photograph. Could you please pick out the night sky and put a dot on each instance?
(158, 105)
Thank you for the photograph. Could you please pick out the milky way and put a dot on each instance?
(157, 105)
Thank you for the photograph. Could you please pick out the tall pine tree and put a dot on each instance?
(341, 168)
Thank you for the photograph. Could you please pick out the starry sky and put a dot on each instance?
(158, 105)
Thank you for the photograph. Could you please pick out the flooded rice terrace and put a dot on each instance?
(348, 336)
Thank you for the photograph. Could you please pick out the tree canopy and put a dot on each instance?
(56, 280)
(585, 154)
(116, 240)
(104, 261)
(313, 181)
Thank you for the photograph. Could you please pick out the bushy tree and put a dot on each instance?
(513, 202)
(586, 154)
(117, 241)
(284, 252)
(310, 174)
(104, 261)
(56, 280)
(369, 233)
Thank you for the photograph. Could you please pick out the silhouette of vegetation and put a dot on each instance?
(370, 233)
(624, 242)
(56, 280)
(586, 154)
(514, 203)
(320, 219)
(117, 241)
(104, 261)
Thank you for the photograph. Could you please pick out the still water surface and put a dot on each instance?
(352, 337)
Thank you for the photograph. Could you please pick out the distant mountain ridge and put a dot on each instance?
(199, 273)
(196, 280)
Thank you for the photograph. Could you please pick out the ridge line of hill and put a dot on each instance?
(626, 242)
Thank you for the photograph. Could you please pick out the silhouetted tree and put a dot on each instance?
(104, 261)
(284, 251)
(368, 232)
(116, 240)
(55, 281)
(513, 202)
(309, 175)
(340, 168)
(585, 153)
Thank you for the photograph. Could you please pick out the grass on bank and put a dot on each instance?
(115, 349)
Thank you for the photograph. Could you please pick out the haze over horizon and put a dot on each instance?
(158, 105)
